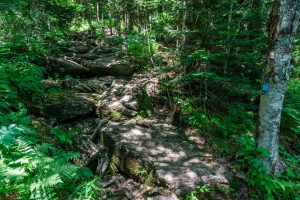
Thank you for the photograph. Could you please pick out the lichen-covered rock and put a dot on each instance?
(123, 100)
(65, 106)
(109, 66)
(95, 85)
(158, 155)
(136, 164)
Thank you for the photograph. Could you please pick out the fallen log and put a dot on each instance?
(89, 151)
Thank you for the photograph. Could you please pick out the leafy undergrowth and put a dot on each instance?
(225, 113)
(31, 168)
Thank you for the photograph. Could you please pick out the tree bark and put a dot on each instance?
(282, 28)
(183, 25)
(103, 22)
(97, 11)
(118, 25)
(88, 17)
(65, 66)
(88, 151)
(110, 23)
(228, 43)
(130, 22)
(139, 21)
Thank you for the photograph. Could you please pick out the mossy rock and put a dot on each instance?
(124, 158)
(66, 106)
(144, 102)
(116, 116)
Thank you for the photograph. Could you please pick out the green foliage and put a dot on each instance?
(25, 76)
(116, 116)
(11, 110)
(30, 168)
(36, 171)
(89, 190)
(199, 192)
(219, 48)
(64, 136)
(284, 186)
(142, 49)
(237, 119)
(137, 47)
(146, 175)
(291, 115)
(193, 117)
(8, 95)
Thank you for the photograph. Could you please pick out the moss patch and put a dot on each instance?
(116, 116)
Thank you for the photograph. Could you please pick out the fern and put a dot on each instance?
(89, 190)
(36, 171)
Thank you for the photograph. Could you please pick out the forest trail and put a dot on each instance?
(103, 99)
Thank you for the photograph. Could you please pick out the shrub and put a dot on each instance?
(264, 185)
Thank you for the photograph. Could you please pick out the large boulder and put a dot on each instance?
(110, 65)
(159, 154)
(95, 85)
(123, 100)
(65, 106)
(79, 48)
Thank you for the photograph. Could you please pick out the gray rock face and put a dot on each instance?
(110, 66)
(95, 85)
(157, 153)
(79, 48)
(90, 64)
(121, 101)
(65, 106)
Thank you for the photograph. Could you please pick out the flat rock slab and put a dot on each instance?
(66, 105)
(178, 163)
(109, 66)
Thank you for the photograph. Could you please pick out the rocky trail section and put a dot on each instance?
(88, 57)
(121, 130)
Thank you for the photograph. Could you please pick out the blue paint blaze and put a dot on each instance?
(265, 88)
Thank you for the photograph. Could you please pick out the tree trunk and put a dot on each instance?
(110, 24)
(118, 25)
(98, 12)
(228, 45)
(183, 25)
(139, 21)
(284, 20)
(88, 17)
(126, 30)
(103, 22)
(130, 22)
(124, 23)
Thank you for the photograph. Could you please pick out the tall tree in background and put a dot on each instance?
(282, 29)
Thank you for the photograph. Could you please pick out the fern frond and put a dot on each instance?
(68, 172)
(24, 148)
